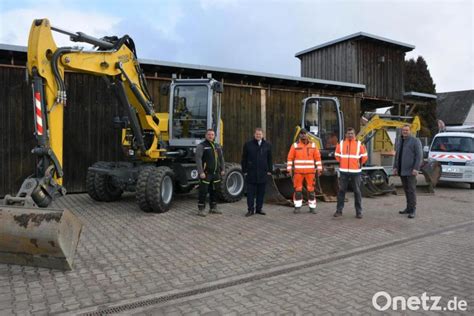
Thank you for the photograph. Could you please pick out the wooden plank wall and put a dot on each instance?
(382, 79)
(89, 134)
(335, 62)
(358, 62)
(16, 129)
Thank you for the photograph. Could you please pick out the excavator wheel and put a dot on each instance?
(231, 187)
(160, 189)
(141, 188)
(100, 186)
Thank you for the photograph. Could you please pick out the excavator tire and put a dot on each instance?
(160, 189)
(99, 186)
(231, 187)
(141, 189)
(104, 188)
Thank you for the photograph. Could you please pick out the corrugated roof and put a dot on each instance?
(357, 36)
(15, 48)
(278, 78)
(453, 107)
(255, 74)
(419, 95)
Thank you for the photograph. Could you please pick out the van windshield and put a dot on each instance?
(453, 144)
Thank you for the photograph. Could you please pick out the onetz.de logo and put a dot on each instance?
(383, 301)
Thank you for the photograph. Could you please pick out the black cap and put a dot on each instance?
(304, 130)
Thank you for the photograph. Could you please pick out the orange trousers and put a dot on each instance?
(298, 181)
(299, 178)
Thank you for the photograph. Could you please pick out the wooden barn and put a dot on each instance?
(250, 99)
(371, 60)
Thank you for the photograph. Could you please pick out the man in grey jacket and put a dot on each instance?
(408, 158)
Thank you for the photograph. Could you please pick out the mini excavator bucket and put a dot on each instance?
(375, 182)
(279, 189)
(38, 237)
(431, 173)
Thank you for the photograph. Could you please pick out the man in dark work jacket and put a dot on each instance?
(210, 165)
(256, 165)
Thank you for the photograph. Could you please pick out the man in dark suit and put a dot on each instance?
(257, 164)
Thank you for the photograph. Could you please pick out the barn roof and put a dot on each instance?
(7, 52)
(358, 36)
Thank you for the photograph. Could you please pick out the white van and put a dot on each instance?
(455, 153)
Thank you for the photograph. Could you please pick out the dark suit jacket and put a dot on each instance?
(257, 161)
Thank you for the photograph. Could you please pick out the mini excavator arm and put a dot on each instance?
(377, 122)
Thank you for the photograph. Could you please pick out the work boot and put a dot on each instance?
(297, 210)
(411, 215)
(359, 215)
(215, 211)
(405, 211)
(313, 210)
(338, 214)
(260, 212)
(201, 210)
(249, 213)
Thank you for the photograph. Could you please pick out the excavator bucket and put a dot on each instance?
(374, 183)
(327, 186)
(279, 189)
(38, 237)
(431, 173)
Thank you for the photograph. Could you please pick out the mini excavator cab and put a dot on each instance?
(322, 117)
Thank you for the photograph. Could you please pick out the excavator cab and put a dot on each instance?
(194, 107)
(322, 117)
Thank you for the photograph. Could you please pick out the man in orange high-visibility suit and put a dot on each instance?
(351, 155)
(304, 162)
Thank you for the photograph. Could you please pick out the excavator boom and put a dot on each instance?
(31, 233)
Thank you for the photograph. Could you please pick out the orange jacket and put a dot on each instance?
(304, 158)
(351, 155)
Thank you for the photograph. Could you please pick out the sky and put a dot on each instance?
(260, 35)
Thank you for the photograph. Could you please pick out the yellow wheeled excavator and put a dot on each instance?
(159, 147)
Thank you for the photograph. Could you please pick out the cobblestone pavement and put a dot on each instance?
(440, 265)
(127, 256)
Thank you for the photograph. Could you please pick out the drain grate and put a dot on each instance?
(264, 275)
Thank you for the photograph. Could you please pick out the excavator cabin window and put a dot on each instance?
(321, 120)
(190, 111)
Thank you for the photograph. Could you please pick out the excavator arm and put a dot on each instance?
(114, 59)
(377, 122)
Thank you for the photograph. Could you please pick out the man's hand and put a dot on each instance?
(318, 173)
(222, 173)
(394, 171)
(414, 172)
(202, 175)
(269, 173)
